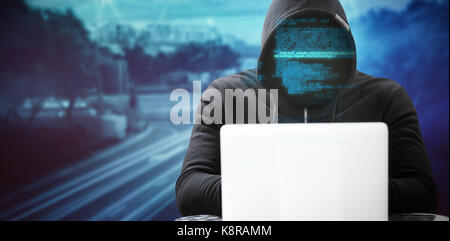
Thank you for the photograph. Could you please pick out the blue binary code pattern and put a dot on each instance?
(302, 53)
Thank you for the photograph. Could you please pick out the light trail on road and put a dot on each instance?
(131, 181)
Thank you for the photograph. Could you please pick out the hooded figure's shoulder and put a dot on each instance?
(370, 85)
(243, 80)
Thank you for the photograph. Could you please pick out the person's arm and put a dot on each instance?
(198, 188)
(411, 185)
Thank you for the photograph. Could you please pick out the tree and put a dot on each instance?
(72, 57)
(204, 57)
(46, 53)
(140, 64)
(22, 57)
(210, 57)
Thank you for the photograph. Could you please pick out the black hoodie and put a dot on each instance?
(411, 186)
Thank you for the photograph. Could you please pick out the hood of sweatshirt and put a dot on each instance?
(308, 52)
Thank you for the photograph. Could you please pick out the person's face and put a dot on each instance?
(311, 57)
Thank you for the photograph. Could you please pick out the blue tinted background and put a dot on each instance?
(119, 156)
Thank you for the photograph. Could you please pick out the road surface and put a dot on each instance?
(134, 180)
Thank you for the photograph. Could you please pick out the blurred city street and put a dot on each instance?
(85, 131)
(133, 180)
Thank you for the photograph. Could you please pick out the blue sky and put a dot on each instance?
(241, 18)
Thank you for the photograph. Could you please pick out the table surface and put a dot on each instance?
(395, 217)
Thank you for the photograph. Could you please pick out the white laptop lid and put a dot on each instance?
(333, 171)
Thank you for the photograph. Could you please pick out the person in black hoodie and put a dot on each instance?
(364, 99)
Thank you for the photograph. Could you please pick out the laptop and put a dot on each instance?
(304, 172)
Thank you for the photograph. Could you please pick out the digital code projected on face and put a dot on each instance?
(312, 56)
